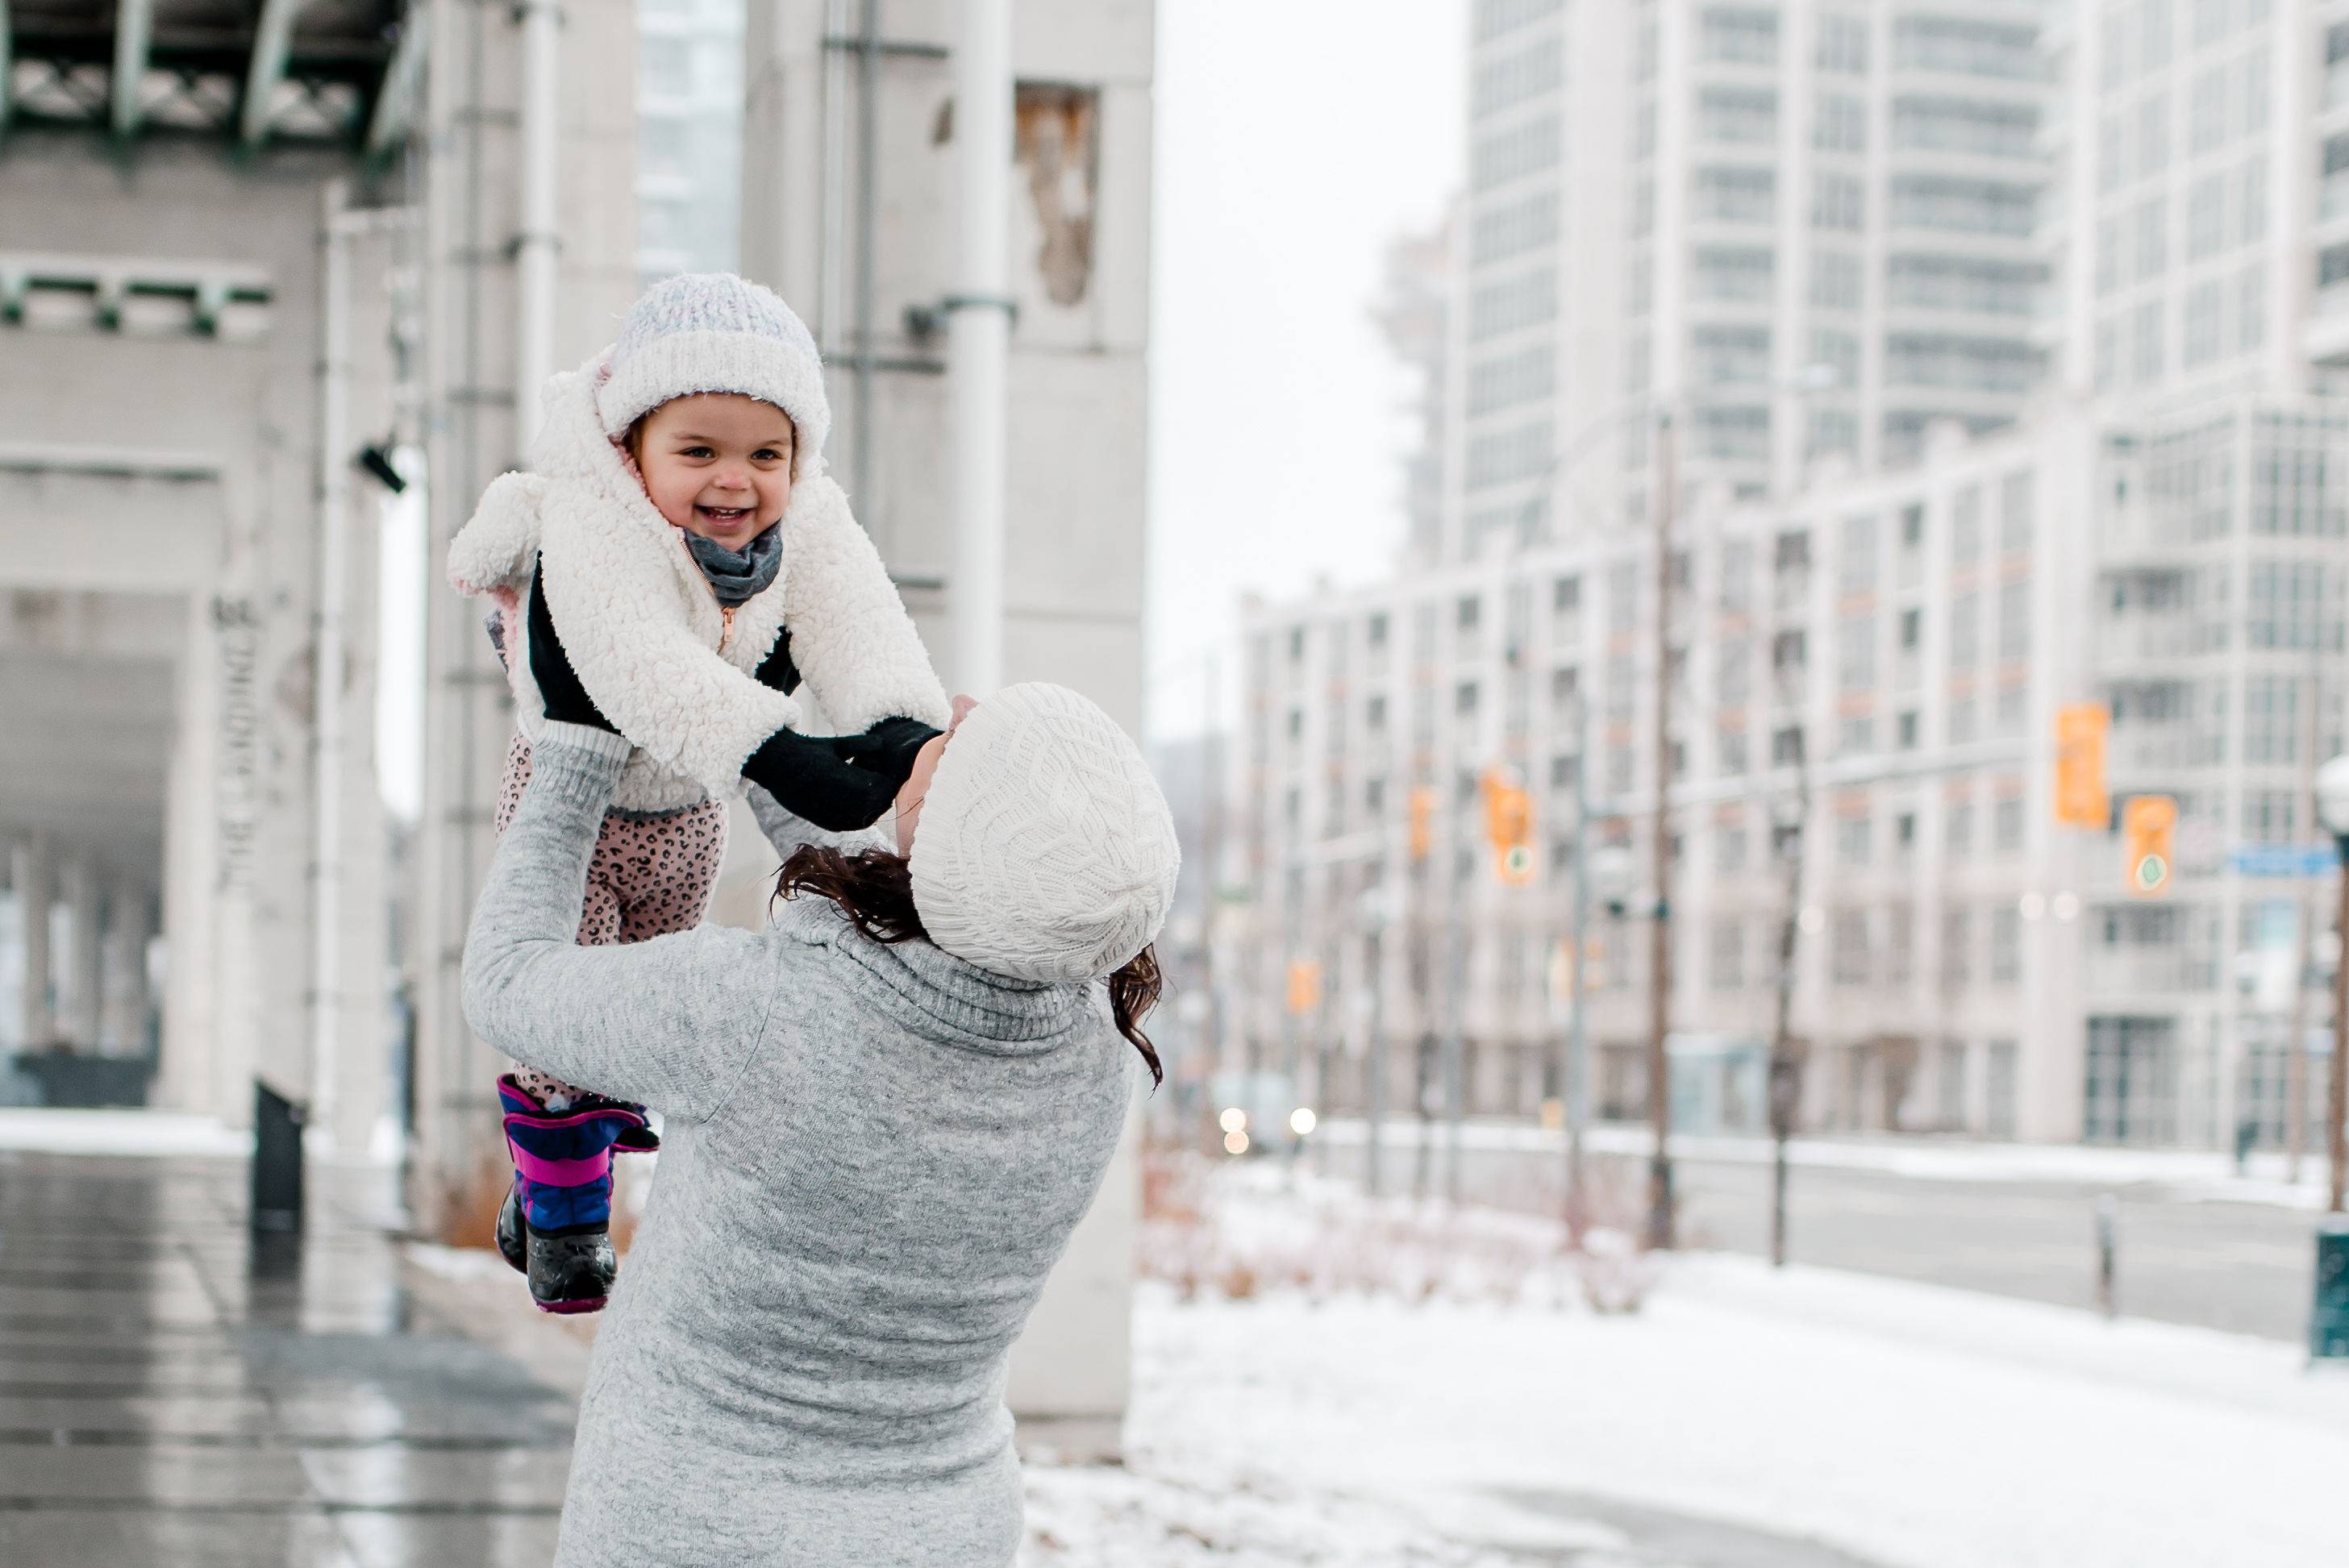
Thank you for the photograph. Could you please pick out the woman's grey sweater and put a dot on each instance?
(873, 1155)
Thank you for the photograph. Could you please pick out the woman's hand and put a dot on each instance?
(563, 700)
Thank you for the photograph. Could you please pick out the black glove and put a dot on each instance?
(563, 698)
(809, 778)
(839, 783)
(776, 670)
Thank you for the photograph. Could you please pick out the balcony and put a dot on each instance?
(2123, 642)
(2139, 969)
(2326, 336)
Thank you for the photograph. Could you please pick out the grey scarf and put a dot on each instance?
(737, 576)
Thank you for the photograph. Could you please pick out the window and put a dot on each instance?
(1842, 44)
(1847, 948)
(1857, 736)
(1729, 750)
(1506, 380)
(1512, 305)
(1566, 595)
(2015, 520)
(2005, 945)
(1977, 127)
(2251, 200)
(1965, 631)
(2152, 135)
(2000, 1092)
(1906, 731)
(1737, 195)
(1750, 37)
(1506, 456)
(1377, 635)
(1495, 18)
(2251, 307)
(1728, 850)
(2112, 154)
(1838, 202)
(2015, 620)
(2148, 342)
(2210, 109)
(1463, 699)
(2205, 218)
(1786, 746)
(1374, 715)
(1965, 206)
(1858, 556)
(1737, 116)
(1518, 75)
(2152, 237)
(1726, 955)
(1789, 650)
(1957, 948)
(1842, 123)
(1900, 923)
(1958, 833)
(1502, 232)
(2201, 345)
(1521, 150)
(1961, 721)
(1723, 273)
(1564, 769)
(1851, 840)
(2006, 826)
(1856, 643)
(1835, 280)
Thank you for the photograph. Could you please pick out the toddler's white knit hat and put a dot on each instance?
(1045, 850)
(714, 332)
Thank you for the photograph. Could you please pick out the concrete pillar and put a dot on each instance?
(84, 956)
(35, 880)
(123, 1008)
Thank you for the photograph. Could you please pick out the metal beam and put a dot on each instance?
(403, 79)
(134, 29)
(7, 65)
(273, 41)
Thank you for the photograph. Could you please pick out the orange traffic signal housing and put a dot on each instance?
(2149, 832)
(2081, 798)
(1422, 821)
(1509, 829)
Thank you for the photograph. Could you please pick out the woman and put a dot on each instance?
(884, 1114)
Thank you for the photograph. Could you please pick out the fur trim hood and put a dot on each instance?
(646, 635)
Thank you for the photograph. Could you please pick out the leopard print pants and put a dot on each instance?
(652, 873)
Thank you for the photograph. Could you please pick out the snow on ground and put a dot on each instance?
(148, 1132)
(2195, 1172)
(1908, 1426)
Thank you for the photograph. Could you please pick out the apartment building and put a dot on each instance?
(1884, 585)
(1725, 205)
(689, 136)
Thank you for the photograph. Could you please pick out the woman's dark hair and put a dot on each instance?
(876, 889)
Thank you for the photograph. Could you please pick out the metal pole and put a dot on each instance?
(2305, 939)
(540, 242)
(1375, 1057)
(1211, 857)
(1660, 976)
(1294, 1050)
(1785, 1087)
(868, 156)
(2336, 1087)
(1456, 995)
(979, 337)
(331, 662)
(1577, 1045)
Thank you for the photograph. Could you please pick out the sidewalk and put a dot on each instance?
(2191, 1173)
(176, 1394)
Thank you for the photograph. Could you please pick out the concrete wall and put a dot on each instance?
(1080, 236)
(151, 456)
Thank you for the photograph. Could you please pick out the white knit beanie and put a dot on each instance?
(1045, 850)
(713, 332)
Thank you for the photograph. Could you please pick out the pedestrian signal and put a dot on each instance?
(1509, 829)
(2150, 832)
(2081, 800)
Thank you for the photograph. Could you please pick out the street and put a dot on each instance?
(2186, 1255)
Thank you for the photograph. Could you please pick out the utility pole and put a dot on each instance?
(1659, 968)
(1785, 1072)
(1577, 1110)
(2303, 938)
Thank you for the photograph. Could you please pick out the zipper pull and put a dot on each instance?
(725, 632)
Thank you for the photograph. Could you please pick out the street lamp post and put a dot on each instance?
(2333, 811)
(1659, 931)
(1372, 908)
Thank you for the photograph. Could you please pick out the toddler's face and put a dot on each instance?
(718, 464)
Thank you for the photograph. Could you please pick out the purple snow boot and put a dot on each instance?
(556, 1225)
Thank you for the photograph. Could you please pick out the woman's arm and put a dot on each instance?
(787, 831)
(669, 1022)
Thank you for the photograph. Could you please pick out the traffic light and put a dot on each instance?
(2081, 800)
(1509, 829)
(2149, 832)
(1304, 986)
(1422, 821)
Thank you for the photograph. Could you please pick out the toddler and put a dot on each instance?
(676, 564)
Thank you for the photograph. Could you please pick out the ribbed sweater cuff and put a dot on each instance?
(579, 762)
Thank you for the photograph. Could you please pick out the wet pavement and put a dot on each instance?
(176, 1391)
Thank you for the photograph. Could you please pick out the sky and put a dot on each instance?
(1294, 138)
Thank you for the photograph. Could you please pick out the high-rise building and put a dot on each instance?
(1883, 589)
(1804, 227)
(689, 136)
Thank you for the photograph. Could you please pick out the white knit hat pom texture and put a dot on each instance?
(1045, 850)
(715, 332)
